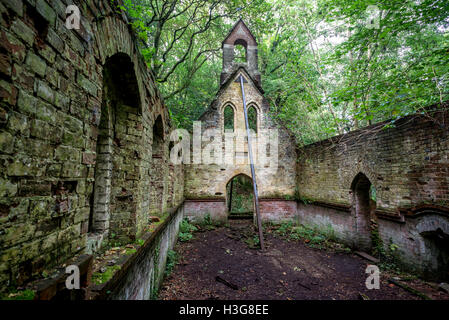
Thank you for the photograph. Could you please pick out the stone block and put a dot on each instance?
(73, 139)
(55, 41)
(15, 5)
(36, 64)
(45, 92)
(7, 188)
(23, 31)
(8, 92)
(46, 11)
(66, 153)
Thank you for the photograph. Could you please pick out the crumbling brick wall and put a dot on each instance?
(275, 166)
(408, 165)
(56, 87)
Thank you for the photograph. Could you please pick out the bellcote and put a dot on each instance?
(240, 37)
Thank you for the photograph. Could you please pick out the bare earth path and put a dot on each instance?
(287, 270)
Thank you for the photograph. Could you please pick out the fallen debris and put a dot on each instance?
(409, 289)
(363, 296)
(443, 287)
(304, 286)
(230, 285)
(366, 256)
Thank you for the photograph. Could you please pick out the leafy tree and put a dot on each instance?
(328, 66)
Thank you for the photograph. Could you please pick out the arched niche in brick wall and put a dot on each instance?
(116, 155)
(158, 168)
(363, 207)
(433, 228)
(158, 137)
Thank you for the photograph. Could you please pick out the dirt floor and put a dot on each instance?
(288, 270)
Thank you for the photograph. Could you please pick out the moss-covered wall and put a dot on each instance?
(408, 165)
(55, 86)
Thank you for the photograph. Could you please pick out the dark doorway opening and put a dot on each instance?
(240, 197)
(437, 252)
(364, 206)
(120, 99)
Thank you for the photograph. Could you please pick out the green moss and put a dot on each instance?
(306, 200)
(154, 294)
(14, 294)
(100, 278)
(130, 251)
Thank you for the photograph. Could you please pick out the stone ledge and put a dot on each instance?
(54, 288)
(422, 209)
(101, 291)
(205, 200)
(276, 199)
(336, 206)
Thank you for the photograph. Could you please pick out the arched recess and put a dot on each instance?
(434, 232)
(171, 177)
(116, 168)
(253, 118)
(363, 207)
(240, 51)
(228, 117)
(158, 169)
(239, 195)
(158, 138)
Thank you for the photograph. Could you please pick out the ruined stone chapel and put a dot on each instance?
(85, 158)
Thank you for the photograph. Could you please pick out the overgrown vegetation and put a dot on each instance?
(328, 66)
(186, 230)
(14, 294)
(103, 277)
(242, 198)
(172, 259)
(207, 223)
(312, 236)
(253, 241)
(389, 259)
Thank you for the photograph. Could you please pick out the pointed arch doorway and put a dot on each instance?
(240, 197)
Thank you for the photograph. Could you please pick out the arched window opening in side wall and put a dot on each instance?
(240, 54)
(252, 118)
(228, 117)
(158, 137)
(158, 170)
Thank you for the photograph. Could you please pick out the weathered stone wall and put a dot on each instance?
(273, 147)
(274, 180)
(141, 278)
(408, 165)
(76, 115)
(240, 35)
(198, 210)
(276, 210)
